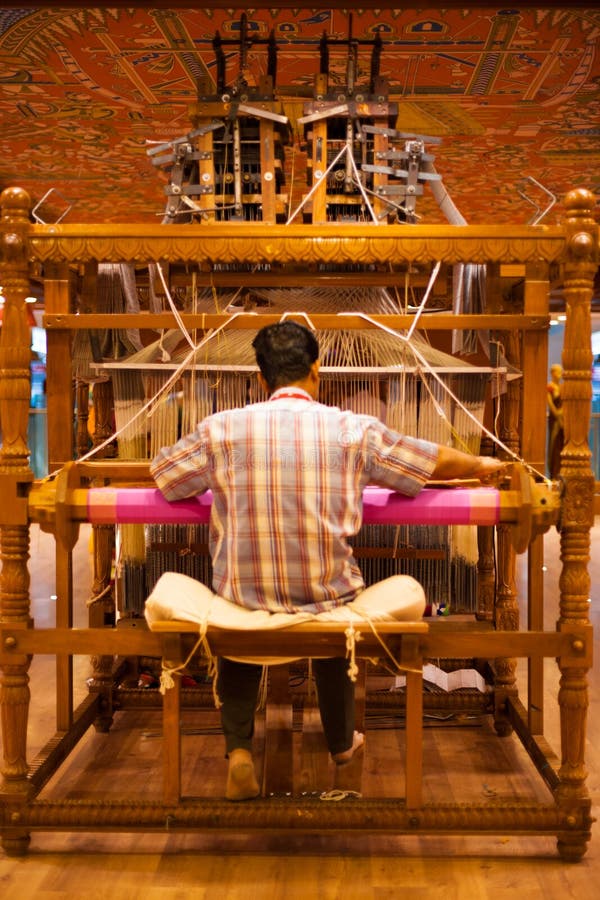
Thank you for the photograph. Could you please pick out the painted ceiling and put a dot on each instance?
(513, 93)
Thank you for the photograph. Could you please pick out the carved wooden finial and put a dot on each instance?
(15, 202)
(581, 228)
(579, 200)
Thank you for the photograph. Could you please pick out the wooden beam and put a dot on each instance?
(203, 321)
(313, 639)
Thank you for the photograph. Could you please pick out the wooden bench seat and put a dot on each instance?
(400, 644)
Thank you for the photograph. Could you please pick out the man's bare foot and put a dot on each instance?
(241, 778)
(346, 756)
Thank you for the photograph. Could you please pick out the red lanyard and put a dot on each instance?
(296, 395)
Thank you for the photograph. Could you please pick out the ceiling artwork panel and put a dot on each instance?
(513, 94)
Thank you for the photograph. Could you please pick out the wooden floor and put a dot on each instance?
(464, 758)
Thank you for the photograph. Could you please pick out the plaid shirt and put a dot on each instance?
(287, 477)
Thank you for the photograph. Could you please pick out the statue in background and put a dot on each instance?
(555, 421)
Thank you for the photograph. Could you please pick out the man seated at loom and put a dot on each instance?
(287, 477)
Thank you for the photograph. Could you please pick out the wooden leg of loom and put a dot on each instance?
(577, 518)
(15, 475)
(411, 657)
(14, 687)
(101, 614)
(506, 613)
(172, 724)
(414, 738)
(506, 619)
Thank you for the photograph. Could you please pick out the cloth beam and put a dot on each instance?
(433, 506)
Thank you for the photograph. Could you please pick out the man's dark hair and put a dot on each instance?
(284, 353)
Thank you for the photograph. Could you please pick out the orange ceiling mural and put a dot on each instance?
(513, 93)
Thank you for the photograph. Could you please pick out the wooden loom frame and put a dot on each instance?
(573, 245)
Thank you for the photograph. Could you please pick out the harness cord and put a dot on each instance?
(510, 453)
(423, 304)
(151, 404)
(166, 677)
(173, 308)
(352, 637)
(398, 667)
(92, 600)
(316, 185)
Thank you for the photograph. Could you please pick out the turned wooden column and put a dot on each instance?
(506, 612)
(82, 438)
(15, 474)
(486, 561)
(102, 600)
(577, 518)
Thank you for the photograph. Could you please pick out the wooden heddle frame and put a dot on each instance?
(571, 246)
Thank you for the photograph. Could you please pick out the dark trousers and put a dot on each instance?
(238, 685)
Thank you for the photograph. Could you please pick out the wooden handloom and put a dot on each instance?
(573, 246)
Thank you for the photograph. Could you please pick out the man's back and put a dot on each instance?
(287, 478)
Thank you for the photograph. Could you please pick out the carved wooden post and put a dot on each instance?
(486, 535)
(506, 615)
(580, 267)
(486, 568)
(534, 365)
(102, 600)
(15, 387)
(82, 440)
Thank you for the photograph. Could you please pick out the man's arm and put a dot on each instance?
(181, 471)
(453, 463)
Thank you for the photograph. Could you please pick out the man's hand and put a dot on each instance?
(488, 467)
(453, 463)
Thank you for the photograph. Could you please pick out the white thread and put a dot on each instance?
(352, 637)
(166, 680)
(174, 309)
(152, 402)
(316, 184)
(399, 667)
(336, 795)
(423, 303)
(97, 597)
(167, 672)
(359, 184)
(303, 315)
(445, 387)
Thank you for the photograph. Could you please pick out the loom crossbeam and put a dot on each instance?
(572, 645)
(59, 505)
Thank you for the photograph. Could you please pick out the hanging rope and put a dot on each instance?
(167, 672)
